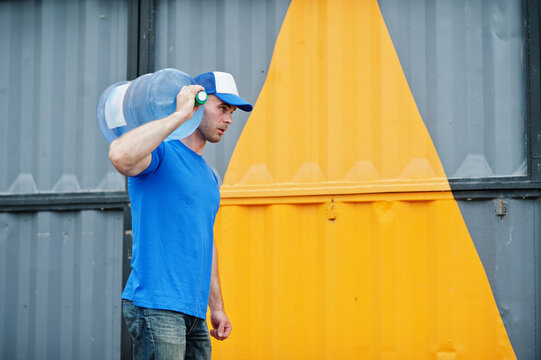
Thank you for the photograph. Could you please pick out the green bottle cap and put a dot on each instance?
(200, 98)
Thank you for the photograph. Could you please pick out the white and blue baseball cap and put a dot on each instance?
(223, 86)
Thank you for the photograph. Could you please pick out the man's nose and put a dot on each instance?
(228, 119)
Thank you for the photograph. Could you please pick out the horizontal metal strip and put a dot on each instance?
(269, 195)
(91, 200)
(374, 197)
(376, 187)
(332, 188)
(461, 195)
(497, 193)
(493, 184)
(344, 198)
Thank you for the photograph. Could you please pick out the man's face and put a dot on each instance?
(217, 116)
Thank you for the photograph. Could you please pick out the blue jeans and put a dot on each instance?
(164, 334)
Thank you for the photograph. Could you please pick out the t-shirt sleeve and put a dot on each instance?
(157, 157)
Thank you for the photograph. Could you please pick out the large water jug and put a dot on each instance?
(126, 105)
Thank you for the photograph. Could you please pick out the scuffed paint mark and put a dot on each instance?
(510, 236)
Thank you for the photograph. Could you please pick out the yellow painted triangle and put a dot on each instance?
(379, 263)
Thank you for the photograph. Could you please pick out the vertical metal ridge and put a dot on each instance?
(15, 94)
(534, 88)
(6, 40)
(147, 36)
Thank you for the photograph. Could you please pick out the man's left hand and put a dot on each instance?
(221, 325)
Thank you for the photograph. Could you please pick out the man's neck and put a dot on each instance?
(195, 142)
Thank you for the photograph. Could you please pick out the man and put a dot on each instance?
(174, 200)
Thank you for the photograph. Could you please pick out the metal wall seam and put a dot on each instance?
(534, 87)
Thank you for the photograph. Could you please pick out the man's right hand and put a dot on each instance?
(186, 101)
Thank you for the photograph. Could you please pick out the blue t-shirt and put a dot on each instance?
(174, 204)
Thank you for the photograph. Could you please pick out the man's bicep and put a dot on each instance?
(140, 167)
(150, 163)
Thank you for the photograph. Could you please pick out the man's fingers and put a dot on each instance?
(222, 332)
(227, 331)
(186, 99)
(221, 329)
(214, 334)
(198, 88)
(192, 89)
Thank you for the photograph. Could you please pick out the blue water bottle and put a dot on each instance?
(126, 105)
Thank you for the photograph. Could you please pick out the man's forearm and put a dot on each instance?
(215, 294)
(221, 326)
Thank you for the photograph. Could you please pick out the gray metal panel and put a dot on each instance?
(60, 280)
(507, 247)
(60, 56)
(465, 65)
(236, 36)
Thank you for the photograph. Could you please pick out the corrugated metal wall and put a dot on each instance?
(466, 66)
(235, 36)
(333, 225)
(510, 251)
(465, 62)
(60, 56)
(60, 272)
(338, 235)
(373, 276)
(60, 279)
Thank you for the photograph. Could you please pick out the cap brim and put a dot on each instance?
(235, 100)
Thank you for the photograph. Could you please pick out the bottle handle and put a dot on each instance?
(201, 98)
